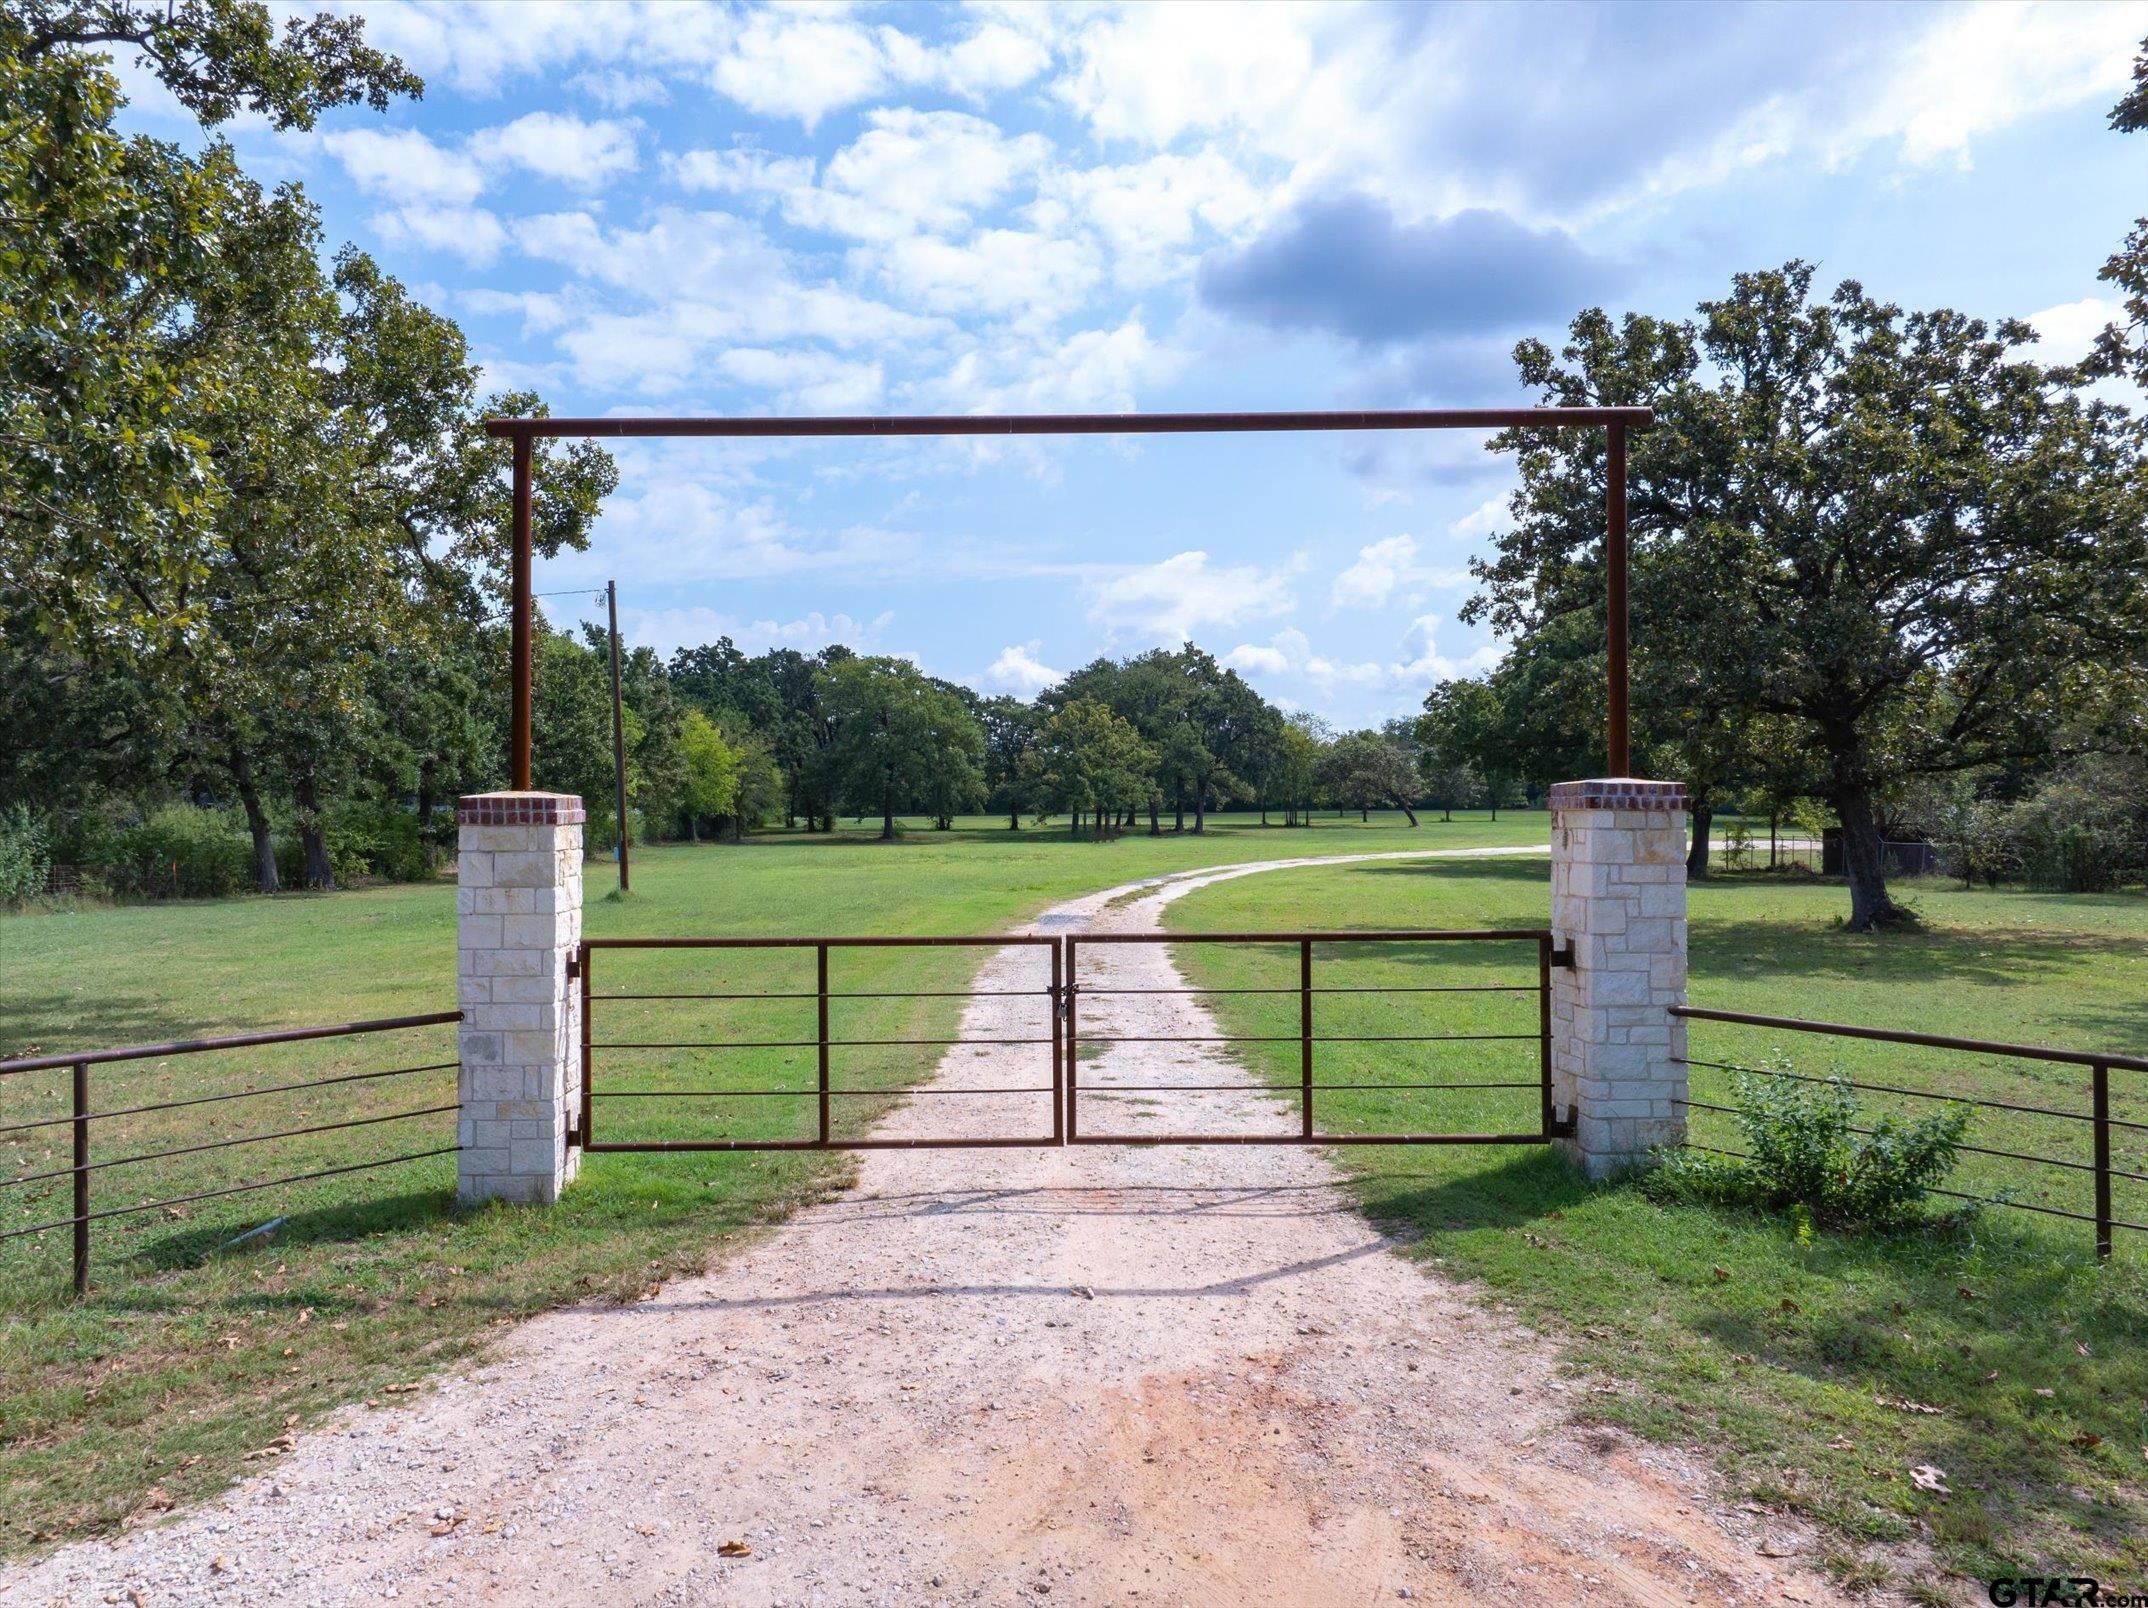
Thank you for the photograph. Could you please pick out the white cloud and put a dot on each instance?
(666, 629)
(618, 91)
(1185, 595)
(559, 146)
(1482, 520)
(1289, 653)
(471, 233)
(744, 170)
(404, 166)
(914, 171)
(996, 273)
(806, 379)
(1150, 213)
(1384, 570)
(1019, 670)
(792, 62)
(2065, 333)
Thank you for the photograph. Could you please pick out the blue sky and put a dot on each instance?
(715, 209)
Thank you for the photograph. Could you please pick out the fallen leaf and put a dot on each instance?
(1902, 1404)
(2087, 1440)
(2082, 1347)
(1927, 1478)
(2045, 1391)
(1722, 1275)
(1965, 1292)
(1790, 1305)
(734, 1549)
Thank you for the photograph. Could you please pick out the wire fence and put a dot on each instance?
(84, 1104)
(2027, 1100)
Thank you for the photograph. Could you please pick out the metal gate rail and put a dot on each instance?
(1551, 1124)
(1063, 995)
(824, 1090)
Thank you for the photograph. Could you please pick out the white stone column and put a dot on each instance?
(1618, 902)
(519, 920)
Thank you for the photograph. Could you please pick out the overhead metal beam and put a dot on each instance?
(1613, 421)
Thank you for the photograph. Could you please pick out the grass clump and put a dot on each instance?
(1808, 1155)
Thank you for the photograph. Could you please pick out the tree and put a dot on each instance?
(1365, 768)
(2123, 349)
(1465, 722)
(1296, 782)
(1089, 759)
(712, 772)
(1884, 527)
(1010, 730)
(896, 736)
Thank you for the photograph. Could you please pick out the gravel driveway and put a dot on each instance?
(1082, 1375)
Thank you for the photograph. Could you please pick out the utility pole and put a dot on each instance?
(611, 601)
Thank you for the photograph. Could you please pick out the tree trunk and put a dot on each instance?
(1200, 809)
(319, 871)
(1180, 804)
(1014, 817)
(1155, 825)
(1864, 862)
(1406, 810)
(257, 822)
(1703, 814)
(425, 807)
(1364, 815)
(693, 827)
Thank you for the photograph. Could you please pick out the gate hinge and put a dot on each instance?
(1563, 958)
(1062, 998)
(574, 967)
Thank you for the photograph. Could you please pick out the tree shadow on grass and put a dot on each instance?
(1523, 1189)
(97, 1021)
(412, 1211)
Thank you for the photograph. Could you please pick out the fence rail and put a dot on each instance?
(81, 1120)
(2097, 1117)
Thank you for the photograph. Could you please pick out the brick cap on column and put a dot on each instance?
(1619, 793)
(520, 809)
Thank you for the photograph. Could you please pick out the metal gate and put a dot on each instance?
(809, 1071)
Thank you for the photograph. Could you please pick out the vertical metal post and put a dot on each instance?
(589, 1104)
(1618, 742)
(1059, 1114)
(821, 986)
(1073, 1052)
(611, 602)
(2100, 1106)
(1550, 1117)
(520, 646)
(1305, 1038)
(82, 1161)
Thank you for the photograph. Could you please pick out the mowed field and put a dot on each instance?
(192, 1353)
(1823, 1370)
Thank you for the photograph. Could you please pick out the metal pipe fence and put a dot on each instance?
(82, 1118)
(2091, 1086)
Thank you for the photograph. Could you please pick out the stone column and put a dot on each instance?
(519, 919)
(1618, 902)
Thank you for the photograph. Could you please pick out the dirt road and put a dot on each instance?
(1074, 1375)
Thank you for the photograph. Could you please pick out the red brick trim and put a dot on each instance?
(1619, 793)
(521, 809)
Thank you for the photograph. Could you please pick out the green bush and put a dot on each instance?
(179, 852)
(380, 839)
(1805, 1155)
(25, 855)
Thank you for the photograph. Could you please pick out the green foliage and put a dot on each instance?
(377, 839)
(1088, 759)
(1807, 1156)
(1928, 458)
(712, 767)
(180, 851)
(25, 855)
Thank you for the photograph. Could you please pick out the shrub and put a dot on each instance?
(378, 839)
(180, 851)
(25, 855)
(1805, 1155)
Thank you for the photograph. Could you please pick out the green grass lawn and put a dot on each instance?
(187, 1357)
(1820, 1371)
